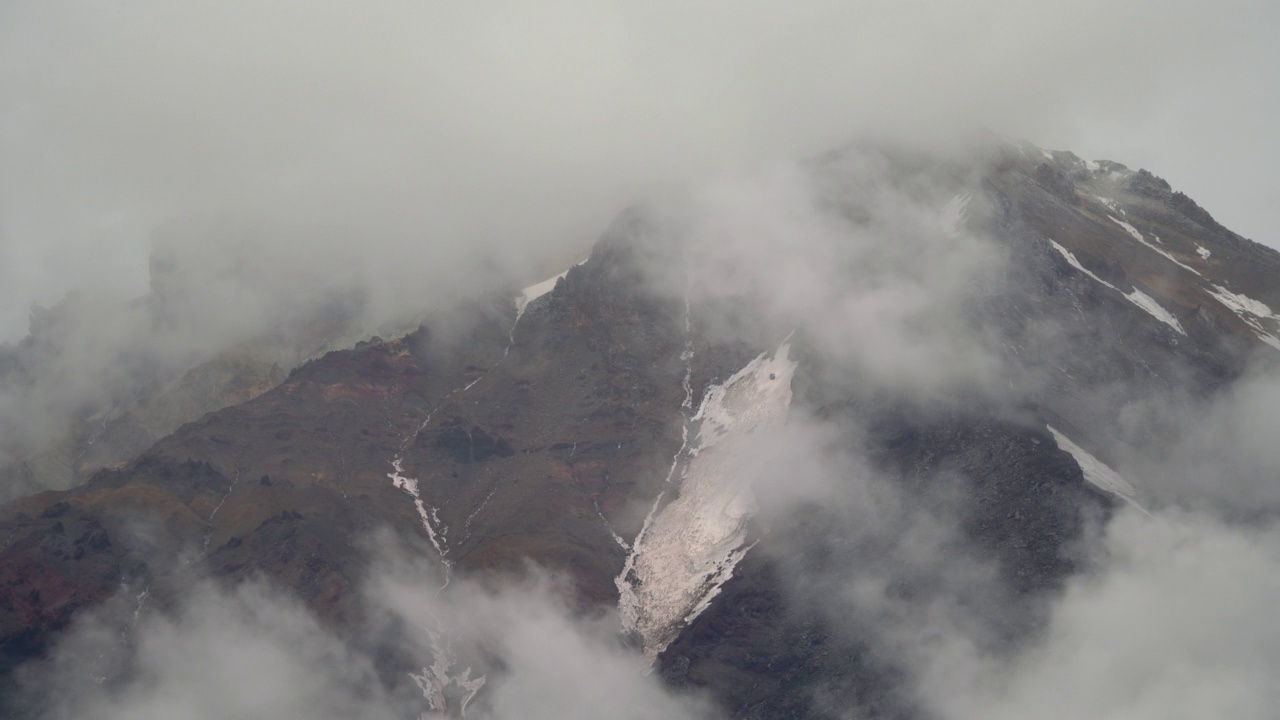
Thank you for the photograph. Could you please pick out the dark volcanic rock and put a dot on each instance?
(1144, 183)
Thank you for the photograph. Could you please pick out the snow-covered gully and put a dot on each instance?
(685, 552)
(208, 534)
(436, 679)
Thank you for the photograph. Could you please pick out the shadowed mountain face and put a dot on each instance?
(632, 427)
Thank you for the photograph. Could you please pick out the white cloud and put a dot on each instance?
(435, 132)
(255, 651)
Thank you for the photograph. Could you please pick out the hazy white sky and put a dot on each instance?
(445, 131)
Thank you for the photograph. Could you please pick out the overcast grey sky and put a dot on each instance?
(443, 131)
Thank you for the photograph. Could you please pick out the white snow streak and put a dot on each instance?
(686, 552)
(1137, 297)
(433, 680)
(1249, 310)
(1202, 252)
(1096, 472)
(537, 290)
(687, 355)
(208, 535)
(1129, 228)
(1241, 303)
(1142, 239)
(1269, 339)
(466, 527)
(436, 530)
(1148, 303)
(1112, 205)
(430, 520)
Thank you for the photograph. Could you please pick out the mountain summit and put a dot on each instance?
(813, 443)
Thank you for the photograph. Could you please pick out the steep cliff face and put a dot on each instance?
(626, 424)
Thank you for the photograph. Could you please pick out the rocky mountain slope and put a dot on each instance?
(632, 426)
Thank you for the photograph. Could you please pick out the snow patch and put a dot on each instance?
(1071, 259)
(1202, 252)
(1096, 472)
(686, 552)
(1241, 303)
(1129, 228)
(1112, 205)
(537, 290)
(1269, 339)
(1148, 303)
(1137, 297)
(1249, 310)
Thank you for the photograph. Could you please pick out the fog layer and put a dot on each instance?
(432, 133)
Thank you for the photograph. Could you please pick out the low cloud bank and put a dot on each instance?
(254, 650)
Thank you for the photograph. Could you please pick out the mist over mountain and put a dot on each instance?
(430, 135)
(883, 433)
(422, 361)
